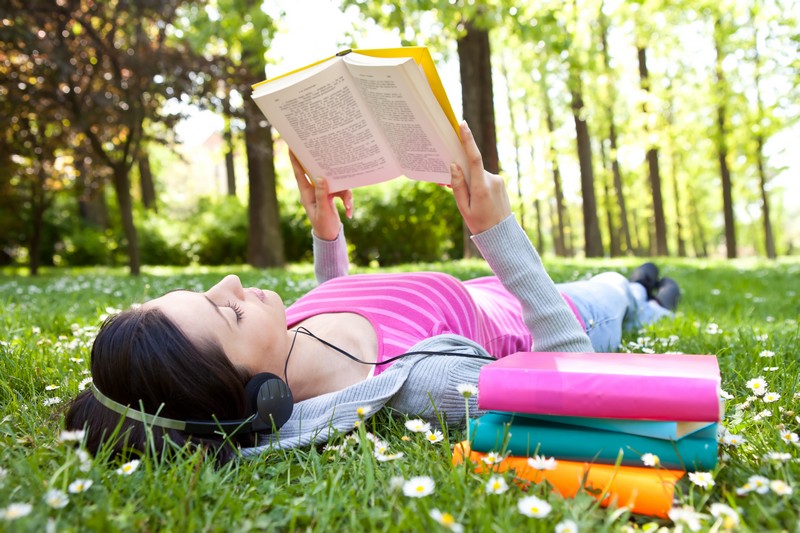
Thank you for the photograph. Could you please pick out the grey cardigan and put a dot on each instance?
(425, 385)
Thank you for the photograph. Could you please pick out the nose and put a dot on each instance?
(229, 286)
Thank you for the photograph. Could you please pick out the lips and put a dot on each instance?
(259, 294)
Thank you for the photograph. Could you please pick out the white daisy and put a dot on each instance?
(725, 513)
(496, 485)
(780, 487)
(446, 520)
(16, 510)
(687, 516)
(757, 385)
(72, 436)
(789, 437)
(418, 425)
(467, 390)
(540, 462)
(771, 397)
(56, 499)
(760, 484)
(533, 507)
(434, 436)
(766, 353)
(650, 459)
(702, 479)
(128, 468)
(567, 526)
(732, 439)
(80, 485)
(492, 458)
(418, 487)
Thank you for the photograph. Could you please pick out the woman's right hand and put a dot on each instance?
(319, 203)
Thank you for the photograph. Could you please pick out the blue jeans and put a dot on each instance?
(608, 304)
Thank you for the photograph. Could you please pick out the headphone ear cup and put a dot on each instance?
(270, 399)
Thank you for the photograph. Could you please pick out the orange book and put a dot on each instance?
(644, 490)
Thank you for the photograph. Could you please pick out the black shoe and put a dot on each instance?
(668, 293)
(647, 276)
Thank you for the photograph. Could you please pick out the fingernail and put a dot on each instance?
(319, 181)
(453, 169)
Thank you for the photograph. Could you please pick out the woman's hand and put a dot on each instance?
(483, 200)
(319, 204)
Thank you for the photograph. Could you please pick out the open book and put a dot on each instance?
(366, 116)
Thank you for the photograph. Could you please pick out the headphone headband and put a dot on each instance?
(272, 403)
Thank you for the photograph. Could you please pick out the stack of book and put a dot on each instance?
(603, 418)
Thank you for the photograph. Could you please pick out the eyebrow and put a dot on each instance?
(215, 306)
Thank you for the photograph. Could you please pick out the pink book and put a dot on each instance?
(603, 385)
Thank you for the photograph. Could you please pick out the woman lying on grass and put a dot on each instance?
(188, 356)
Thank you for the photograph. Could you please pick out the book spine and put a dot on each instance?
(598, 395)
(586, 444)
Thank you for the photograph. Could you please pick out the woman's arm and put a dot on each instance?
(486, 209)
(330, 247)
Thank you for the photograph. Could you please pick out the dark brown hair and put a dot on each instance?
(140, 357)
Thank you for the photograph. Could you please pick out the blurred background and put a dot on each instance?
(647, 128)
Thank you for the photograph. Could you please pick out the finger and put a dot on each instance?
(347, 200)
(460, 188)
(305, 187)
(321, 192)
(474, 159)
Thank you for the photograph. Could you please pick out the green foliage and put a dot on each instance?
(220, 232)
(741, 311)
(402, 222)
(87, 245)
(163, 240)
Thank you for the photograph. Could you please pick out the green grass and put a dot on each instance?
(47, 324)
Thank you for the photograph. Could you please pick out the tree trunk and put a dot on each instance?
(593, 243)
(227, 135)
(559, 236)
(613, 235)
(678, 215)
(264, 239)
(478, 100)
(146, 184)
(722, 149)
(769, 239)
(612, 138)
(37, 207)
(652, 165)
(698, 238)
(122, 188)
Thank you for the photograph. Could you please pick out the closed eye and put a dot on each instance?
(236, 309)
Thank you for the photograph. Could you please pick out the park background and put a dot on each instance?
(121, 122)
(623, 128)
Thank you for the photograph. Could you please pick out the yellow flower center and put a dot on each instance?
(420, 488)
(448, 519)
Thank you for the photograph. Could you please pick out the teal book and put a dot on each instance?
(524, 436)
(656, 429)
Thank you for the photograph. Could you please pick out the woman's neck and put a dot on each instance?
(314, 368)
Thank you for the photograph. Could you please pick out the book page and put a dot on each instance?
(420, 135)
(323, 120)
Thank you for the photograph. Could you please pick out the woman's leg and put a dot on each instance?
(609, 303)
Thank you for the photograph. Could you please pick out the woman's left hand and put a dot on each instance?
(483, 200)
(319, 203)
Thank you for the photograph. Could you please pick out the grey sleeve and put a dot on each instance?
(330, 257)
(515, 262)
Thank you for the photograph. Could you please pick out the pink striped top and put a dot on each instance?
(407, 308)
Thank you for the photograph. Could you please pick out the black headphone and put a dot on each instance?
(268, 398)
